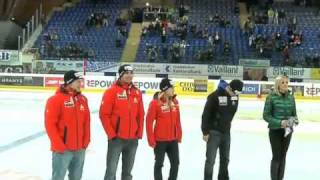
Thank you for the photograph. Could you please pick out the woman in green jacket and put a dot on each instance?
(279, 108)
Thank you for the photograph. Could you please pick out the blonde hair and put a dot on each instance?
(278, 82)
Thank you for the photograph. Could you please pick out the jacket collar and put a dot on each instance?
(65, 90)
(124, 85)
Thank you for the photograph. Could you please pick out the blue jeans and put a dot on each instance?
(70, 160)
(221, 141)
(128, 149)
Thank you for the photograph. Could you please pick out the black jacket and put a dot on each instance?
(219, 111)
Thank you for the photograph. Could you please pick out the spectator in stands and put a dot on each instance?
(290, 31)
(105, 19)
(246, 26)
(282, 16)
(270, 16)
(124, 31)
(153, 54)
(252, 39)
(181, 11)
(210, 41)
(175, 52)
(144, 31)
(286, 56)
(216, 18)
(296, 40)
(193, 30)
(163, 35)
(46, 36)
(291, 40)
(119, 33)
(261, 51)
(251, 25)
(223, 22)
(316, 60)
(43, 50)
(165, 25)
(91, 53)
(205, 33)
(216, 38)
(226, 48)
(292, 24)
(54, 36)
(182, 48)
(158, 26)
(165, 52)
(210, 20)
(278, 36)
(276, 17)
(184, 32)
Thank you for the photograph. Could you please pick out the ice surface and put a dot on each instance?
(22, 116)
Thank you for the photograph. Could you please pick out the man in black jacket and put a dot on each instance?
(218, 113)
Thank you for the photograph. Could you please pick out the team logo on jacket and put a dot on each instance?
(174, 108)
(123, 95)
(234, 99)
(223, 100)
(69, 103)
(81, 107)
(165, 108)
(135, 100)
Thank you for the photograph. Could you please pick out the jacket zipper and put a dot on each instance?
(77, 121)
(65, 132)
(169, 104)
(129, 108)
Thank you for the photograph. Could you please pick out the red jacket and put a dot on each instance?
(121, 112)
(167, 121)
(67, 121)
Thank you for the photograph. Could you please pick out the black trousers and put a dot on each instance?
(279, 145)
(172, 150)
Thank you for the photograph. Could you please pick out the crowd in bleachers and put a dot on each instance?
(290, 29)
(93, 29)
(175, 35)
(195, 32)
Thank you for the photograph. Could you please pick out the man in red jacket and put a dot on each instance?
(164, 129)
(122, 116)
(67, 122)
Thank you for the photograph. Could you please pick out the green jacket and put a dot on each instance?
(278, 108)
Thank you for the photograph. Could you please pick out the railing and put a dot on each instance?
(31, 26)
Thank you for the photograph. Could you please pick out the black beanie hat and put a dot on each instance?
(165, 84)
(123, 68)
(71, 76)
(236, 85)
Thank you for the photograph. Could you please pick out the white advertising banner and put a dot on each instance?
(103, 82)
(301, 73)
(311, 89)
(225, 71)
(9, 57)
(184, 69)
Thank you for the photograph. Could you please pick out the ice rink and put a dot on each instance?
(25, 152)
